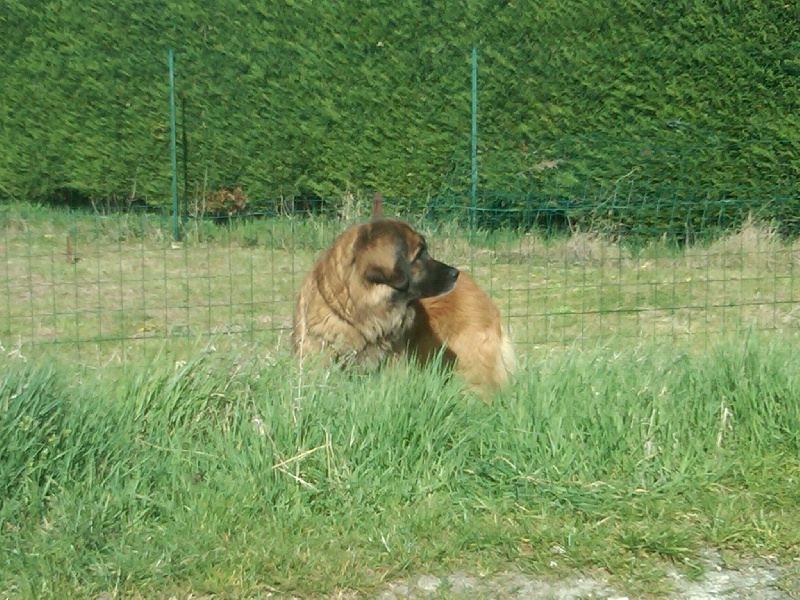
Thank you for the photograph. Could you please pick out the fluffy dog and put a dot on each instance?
(376, 292)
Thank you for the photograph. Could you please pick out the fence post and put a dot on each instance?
(172, 145)
(377, 206)
(474, 189)
(184, 156)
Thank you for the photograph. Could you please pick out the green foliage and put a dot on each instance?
(579, 102)
(234, 473)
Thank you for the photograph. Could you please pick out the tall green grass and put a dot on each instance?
(243, 474)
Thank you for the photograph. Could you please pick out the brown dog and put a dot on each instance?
(357, 302)
(376, 292)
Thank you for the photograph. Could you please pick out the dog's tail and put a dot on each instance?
(506, 360)
(507, 355)
(500, 365)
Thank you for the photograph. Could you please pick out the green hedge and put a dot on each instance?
(580, 102)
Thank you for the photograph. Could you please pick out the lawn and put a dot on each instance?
(234, 474)
(158, 440)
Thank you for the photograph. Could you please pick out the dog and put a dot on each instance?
(376, 293)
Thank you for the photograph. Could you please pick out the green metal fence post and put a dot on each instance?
(184, 156)
(173, 144)
(474, 190)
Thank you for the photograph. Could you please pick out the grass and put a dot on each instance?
(104, 287)
(158, 441)
(234, 474)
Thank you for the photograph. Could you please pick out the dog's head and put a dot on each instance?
(390, 253)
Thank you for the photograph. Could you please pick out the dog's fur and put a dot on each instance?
(356, 304)
(465, 327)
(376, 292)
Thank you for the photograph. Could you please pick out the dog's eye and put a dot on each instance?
(423, 253)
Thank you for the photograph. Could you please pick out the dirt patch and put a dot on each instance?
(749, 580)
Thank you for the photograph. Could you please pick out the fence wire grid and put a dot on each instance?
(104, 286)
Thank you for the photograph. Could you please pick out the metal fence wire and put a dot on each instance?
(676, 233)
(102, 285)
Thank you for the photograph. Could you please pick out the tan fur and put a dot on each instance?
(373, 294)
(356, 303)
(339, 315)
(465, 326)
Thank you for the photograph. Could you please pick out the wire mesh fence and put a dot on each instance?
(669, 229)
(104, 286)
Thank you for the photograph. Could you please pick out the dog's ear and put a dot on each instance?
(397, 277)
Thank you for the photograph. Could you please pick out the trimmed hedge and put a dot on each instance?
(579, 102)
